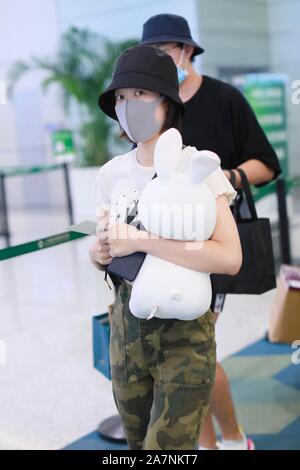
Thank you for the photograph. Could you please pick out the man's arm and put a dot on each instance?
(256, 171)
(255, 154)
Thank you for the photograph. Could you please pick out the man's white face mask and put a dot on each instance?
(137, 118)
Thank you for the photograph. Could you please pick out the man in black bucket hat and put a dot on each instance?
(218, 118)
(169, 28)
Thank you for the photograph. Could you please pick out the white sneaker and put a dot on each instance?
(242, 444)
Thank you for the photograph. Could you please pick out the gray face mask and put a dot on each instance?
(137, 118)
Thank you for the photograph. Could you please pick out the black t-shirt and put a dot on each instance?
(219, 118)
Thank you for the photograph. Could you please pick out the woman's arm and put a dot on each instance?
(221, 254)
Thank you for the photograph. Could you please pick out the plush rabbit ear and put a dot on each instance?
(167, 153)
(202, 163)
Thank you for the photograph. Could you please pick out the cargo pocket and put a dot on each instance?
(207, 325)
(117, 347)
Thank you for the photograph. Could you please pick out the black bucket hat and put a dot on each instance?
(168, 28)
(142, 67)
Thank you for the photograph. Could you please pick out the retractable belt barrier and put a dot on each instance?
(57, 239)
(40, 244)
(6, 172)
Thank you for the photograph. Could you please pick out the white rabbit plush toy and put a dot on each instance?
(179, 206)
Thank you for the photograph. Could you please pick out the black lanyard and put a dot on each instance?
(133, 212)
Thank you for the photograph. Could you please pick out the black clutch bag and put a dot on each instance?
(127, 267)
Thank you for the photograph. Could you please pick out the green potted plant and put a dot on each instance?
(82, 68)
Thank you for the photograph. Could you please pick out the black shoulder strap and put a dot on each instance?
(248, 194)
(232, 178)
(116, 280)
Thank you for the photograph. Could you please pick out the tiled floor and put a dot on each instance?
(50, 395)
(265, 384)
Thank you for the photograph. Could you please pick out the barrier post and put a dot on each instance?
(3, 211)
(68, 193)
(284, 232)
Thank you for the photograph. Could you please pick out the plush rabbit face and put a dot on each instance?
(176, 205)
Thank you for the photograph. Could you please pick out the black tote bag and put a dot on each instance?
(257, 273)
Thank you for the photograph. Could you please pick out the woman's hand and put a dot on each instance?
(99, 253)
(124, 239)
(99, 250)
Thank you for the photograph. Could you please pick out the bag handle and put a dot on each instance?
(248, 193)
(232, 178)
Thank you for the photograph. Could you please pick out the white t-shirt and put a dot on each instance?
(121, 180)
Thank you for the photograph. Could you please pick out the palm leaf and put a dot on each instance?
(82, 68)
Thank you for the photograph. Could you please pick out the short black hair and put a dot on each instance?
(178, 44)
(173, 115)
(181, 45)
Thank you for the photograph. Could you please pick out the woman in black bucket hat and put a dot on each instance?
(162, 369)
(143, 67)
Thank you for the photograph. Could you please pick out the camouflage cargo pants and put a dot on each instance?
(162, 376)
